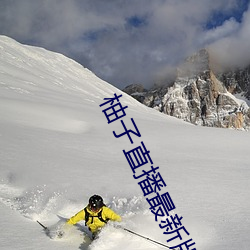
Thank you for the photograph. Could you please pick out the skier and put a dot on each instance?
(95, 214)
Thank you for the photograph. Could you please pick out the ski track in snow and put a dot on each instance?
(39, 204)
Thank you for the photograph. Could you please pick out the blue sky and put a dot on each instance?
(131, 41)
(218, 17)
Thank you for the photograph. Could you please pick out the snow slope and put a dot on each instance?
(57, 149)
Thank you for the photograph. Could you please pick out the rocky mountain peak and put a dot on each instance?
(200, 96)
(196, 64)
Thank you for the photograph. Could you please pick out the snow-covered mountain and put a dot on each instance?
(57, 149)
(202, 95)
(237, 81)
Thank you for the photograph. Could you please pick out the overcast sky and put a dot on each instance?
(131, 41)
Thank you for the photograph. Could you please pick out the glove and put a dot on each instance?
(118, 226)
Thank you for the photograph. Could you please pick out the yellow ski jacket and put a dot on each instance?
(94, 223)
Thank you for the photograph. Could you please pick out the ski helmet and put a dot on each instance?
(96, 202)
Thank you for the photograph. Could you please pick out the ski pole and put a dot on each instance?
(45, 228)
(147, 238)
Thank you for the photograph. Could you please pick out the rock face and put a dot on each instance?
(137, 91)
(200, 97)
(237, 81)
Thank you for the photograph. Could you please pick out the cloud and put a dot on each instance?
(126, 42)
(228, 28)
(233, 48)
